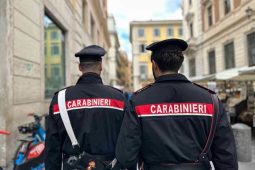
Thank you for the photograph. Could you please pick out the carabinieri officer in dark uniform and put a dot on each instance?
(169, 121)
(95, 111)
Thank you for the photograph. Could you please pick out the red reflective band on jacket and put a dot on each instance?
(175, 109)
(91, 103)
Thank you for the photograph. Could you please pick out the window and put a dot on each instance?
(142, 48)
(180, 32)
(251, 48)
(98, 36)
(84, 12)
(156, 32)
(227, 6)
(55, 70)
(92, 27)
(170, 32)
(54, 55)
(190, 2)
(211, 62)
(229, 54)
(143, 69)
(46, 69)
(55, 49)
(54, 35)
(209, 14)
(141, 32)
(191, 29)
(192, 67)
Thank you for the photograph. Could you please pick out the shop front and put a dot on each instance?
(235, 88)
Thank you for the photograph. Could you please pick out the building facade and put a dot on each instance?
(192, 28)
(124, 72)
(143, 33)
(227, 39)
(38, 40)
(113, 52)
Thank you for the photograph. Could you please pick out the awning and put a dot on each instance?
(228, 74)
(248, 70)
(246, 74)
(238, 74)
(203, 78)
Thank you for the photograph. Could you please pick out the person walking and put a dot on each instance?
(85, 119)
(174, 124)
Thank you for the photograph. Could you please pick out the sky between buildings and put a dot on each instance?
(126, 11)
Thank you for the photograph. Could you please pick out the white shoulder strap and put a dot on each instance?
(65, 117)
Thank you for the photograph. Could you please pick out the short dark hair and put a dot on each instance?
(90, 66)
(168, 60)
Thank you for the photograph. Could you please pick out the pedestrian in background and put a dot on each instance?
(174, 124)
(82, 132)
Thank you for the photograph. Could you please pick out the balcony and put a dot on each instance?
(192, 41)
(189, 16)
(203, 2)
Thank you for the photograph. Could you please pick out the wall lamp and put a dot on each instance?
(249, 11)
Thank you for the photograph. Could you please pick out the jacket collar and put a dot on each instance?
(171, 77)
(90, 78)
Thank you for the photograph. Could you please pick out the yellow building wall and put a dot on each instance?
(52, 59)
(150, 38)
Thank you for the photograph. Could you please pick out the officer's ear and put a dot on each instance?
(80, 67)
(100, 66)
(154, 65)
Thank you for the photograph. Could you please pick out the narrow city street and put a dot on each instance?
(161, 59)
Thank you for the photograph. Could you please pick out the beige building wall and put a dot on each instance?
(225, 28)
(22, 50)
(233, 27)
(124, 72)
(4, 76)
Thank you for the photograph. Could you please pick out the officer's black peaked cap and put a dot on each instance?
(91, 53)
(171, 44)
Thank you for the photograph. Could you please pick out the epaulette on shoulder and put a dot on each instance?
(210, 91)
(62, 89)
(115, 88)
(144, 88)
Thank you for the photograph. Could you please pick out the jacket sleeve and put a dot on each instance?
(53, 153)
(223, 147)
(129, 140)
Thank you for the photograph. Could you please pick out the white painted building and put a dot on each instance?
(113, 51)
(192, 32)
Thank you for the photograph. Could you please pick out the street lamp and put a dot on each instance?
(249, 12)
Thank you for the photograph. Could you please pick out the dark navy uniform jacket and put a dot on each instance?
(169, 121)
(96, 113)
